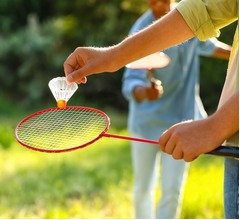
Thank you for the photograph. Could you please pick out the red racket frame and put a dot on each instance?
(102, 134)
(58, 109)
(220, 151)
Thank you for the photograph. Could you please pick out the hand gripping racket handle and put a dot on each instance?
(232, 151)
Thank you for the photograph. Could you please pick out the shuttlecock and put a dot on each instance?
(61, 90)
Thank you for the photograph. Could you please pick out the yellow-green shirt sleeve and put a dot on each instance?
(206, 17)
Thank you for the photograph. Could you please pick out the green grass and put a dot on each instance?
(94, 182)
(203, 197)
(83, 184)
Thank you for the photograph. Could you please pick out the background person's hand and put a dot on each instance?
(150, 93)
(155, 92)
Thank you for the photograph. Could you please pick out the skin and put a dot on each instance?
(186, 140)
(85, 61)
(159, 9)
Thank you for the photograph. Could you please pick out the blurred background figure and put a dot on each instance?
(152, 111)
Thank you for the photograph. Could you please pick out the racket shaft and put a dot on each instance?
(131, 138)
(220, 151)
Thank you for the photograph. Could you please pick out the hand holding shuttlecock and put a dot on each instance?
(61, 90)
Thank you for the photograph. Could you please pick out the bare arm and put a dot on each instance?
(188, 140)
(223, 51)
(158, 36)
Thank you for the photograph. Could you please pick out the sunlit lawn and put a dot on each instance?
(94, 182)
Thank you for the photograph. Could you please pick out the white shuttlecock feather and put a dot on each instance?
(61, 90)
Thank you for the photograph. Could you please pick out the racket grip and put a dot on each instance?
(225, 151)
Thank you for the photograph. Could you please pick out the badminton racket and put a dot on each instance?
(56, 130)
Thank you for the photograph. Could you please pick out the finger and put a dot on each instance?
(70, 64)
(170, 145)
(164, 139)
(177, 153)
(83, 81)
(78, 76)
(189, 158)
(68, 68)
(168, 141)
(190, 154)
(71, 80)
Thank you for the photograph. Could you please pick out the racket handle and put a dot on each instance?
(220, 151)
(225, 151)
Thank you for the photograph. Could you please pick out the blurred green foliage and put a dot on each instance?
(37, 36)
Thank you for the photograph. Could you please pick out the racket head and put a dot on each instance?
(56, 130)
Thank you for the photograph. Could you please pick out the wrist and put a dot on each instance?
(117, 57)
(218, 128)
(226, 118)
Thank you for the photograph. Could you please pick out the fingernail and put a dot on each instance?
(69, 78)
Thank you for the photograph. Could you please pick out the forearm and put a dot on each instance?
(154, 38)
(85, 61)
(226, 119)
(223, 51)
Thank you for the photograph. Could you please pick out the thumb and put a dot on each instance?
(78, 76)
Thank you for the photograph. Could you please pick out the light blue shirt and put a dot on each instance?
(180, 80)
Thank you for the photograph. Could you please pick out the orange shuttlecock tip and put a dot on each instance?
(61, 104)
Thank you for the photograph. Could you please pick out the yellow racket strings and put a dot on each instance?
(62, 129)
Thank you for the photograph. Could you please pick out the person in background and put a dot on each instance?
(151, 113)
(188, 139)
